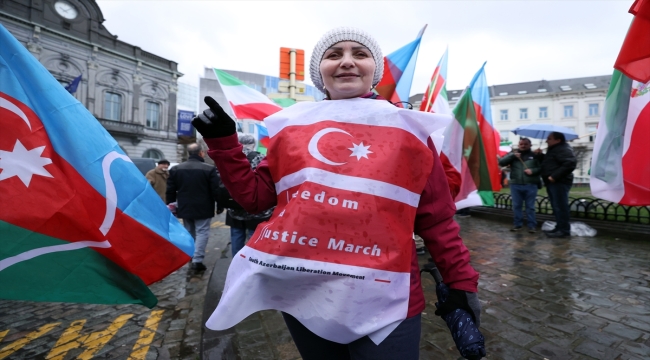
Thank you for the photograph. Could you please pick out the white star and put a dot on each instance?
(23, 163)
(360, 151)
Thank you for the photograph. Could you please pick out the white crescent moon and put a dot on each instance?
(4, 103)
(313, 145)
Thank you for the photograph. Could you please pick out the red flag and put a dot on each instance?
(634, 58)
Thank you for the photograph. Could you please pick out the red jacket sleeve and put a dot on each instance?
(435, 223)
(453, 176)
(254, 190)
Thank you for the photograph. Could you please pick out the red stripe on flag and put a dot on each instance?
(636, 163)
(254, 111)
(384, 281)
(490, 146)
(65, 206)
(378, 242)
(242, 256)
(396, 156)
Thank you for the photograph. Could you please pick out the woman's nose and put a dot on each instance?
(347, 60)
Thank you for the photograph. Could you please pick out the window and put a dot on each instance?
(504, 114)
(591, 131)
(593, 110)
(543, 112)
(153, 115)
(153, 154)
(112, 106)
(523, 114)
(568, 111)
(505, 134)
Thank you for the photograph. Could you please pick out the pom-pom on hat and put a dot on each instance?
(344, 34)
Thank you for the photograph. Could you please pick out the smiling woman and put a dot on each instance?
(353, 177)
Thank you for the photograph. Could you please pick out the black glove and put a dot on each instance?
(459, 299)
(214, 122)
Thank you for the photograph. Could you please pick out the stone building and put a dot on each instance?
(575, 103)
(131, 92)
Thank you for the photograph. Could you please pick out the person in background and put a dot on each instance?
(194, 185)
(557, 173)
(243, 224)
(158, 178)
(524, 182)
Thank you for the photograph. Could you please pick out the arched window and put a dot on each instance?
(153, 154)
(112, 106)
(153, 115)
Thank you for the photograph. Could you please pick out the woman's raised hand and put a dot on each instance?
(214, 122)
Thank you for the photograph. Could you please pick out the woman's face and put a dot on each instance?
(347, 69)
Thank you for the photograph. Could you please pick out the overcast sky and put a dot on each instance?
(520, 40)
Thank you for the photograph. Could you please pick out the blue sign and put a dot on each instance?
(185, 123)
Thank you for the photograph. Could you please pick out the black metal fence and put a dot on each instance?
(586, 208)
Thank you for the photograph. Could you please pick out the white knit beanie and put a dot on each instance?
(344, 34)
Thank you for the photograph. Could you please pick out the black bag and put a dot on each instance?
(224, 200)
(540, 183)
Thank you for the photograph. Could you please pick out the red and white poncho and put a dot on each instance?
(337, 252)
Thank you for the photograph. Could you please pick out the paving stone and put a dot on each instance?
(518, 337)
(609, 314)
(596, 350)
(637, 349)
(551, 351)
(623, 331)
(564, 325)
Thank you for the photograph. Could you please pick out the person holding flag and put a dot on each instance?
(352, 178)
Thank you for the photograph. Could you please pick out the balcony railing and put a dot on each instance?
(130, 130)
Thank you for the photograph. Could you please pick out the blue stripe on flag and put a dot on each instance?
(81, 140)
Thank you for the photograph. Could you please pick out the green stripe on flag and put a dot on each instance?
(617, 103)
(226, 79)
(473, 148)
(79, 276)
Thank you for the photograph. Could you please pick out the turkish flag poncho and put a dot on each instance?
(336, 254)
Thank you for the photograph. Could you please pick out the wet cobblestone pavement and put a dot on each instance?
(171, 330)
(570, 298)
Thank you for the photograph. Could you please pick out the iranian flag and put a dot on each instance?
(465, 148)
(246, 102)
(348, 175)
(78, 221)
(435, 98)
(620, 168)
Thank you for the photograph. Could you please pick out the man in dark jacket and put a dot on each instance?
(524, 179)
(194, 185)
(557, 172)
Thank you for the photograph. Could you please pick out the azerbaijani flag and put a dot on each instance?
(246, 102)
(78, 221)
(435, 98)
(490, 135)
(464, 146)
(620, 168)
(262, 138)
(399, 66)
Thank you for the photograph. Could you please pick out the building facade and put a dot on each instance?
(131, 92)
(573, 103)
